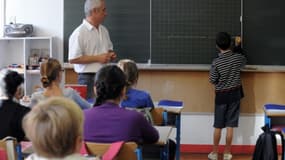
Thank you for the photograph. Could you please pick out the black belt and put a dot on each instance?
(87, 73)
(229, 89)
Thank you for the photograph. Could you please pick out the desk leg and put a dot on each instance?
(19, 151)
(164, 152)
(178, 132)
(165, 118)
(267, 120)
(139, 153)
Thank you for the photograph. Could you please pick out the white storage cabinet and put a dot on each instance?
(16, 51)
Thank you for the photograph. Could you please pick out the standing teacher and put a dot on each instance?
(89, 45)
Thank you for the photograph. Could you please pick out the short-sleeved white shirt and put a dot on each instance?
(88, 40)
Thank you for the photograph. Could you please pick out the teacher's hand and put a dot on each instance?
(104, 58)
(112, 55)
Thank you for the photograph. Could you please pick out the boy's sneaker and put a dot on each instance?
(213, 156)
(228, 156)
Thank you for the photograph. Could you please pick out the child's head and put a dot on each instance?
(50, 72)
(131, 71)
(110, 84)
(54, 127)
(10, 82)
(223, 40)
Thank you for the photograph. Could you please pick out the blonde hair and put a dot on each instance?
(54, 126)
(50, 70)
(130, 69)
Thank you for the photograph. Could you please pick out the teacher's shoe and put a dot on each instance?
(213, 156)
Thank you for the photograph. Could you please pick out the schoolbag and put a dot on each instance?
(266, 145)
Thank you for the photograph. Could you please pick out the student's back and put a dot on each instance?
(67, 92)
(107, 122)
(11, 115)
(51, 77)
(11, 112)
(110, 123)
(135, 98)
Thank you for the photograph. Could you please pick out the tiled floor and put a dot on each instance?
(188, 156)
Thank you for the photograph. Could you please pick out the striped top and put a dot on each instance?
(225, 70)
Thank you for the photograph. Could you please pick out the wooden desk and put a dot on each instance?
(274, 113)
(176, 110)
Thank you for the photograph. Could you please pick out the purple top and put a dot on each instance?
(109, 123)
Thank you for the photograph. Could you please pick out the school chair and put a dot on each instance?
(128, 151)
(157, 116)
(80, 88)
(9, 149)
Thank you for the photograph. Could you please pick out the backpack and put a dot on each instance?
(266, 145)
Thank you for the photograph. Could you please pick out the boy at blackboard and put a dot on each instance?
(225, 75)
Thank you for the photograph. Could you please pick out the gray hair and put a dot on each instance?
(91, 4)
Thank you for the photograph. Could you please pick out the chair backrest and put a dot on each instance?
(157, 116)
(81, 89)
(127, 152)
(8, 145)
(3, 152)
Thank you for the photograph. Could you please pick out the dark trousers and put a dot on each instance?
(87, 79)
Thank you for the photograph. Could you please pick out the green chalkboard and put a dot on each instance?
(263, 32)
(162, 31)
(73, 16)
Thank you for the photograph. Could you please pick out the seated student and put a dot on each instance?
(135, 98)
(11, 112)
(51, 76)
(138, 98)
(114, 123)
(55, 129)
(106, 122)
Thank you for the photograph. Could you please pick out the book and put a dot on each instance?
(171, 105)
(274, 109)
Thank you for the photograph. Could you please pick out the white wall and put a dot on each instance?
(2, 17)
(45, 15)
(198, 129)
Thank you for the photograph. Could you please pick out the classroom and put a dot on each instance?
(175, 79)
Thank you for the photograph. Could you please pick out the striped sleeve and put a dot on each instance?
(214, 75)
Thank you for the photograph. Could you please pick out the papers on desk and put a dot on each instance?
(171, 106)
(274, 110)
(164, 133)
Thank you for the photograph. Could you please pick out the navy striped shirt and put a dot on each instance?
(225, 71)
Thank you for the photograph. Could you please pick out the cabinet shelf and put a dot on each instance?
(18, 50)
(34, 71)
